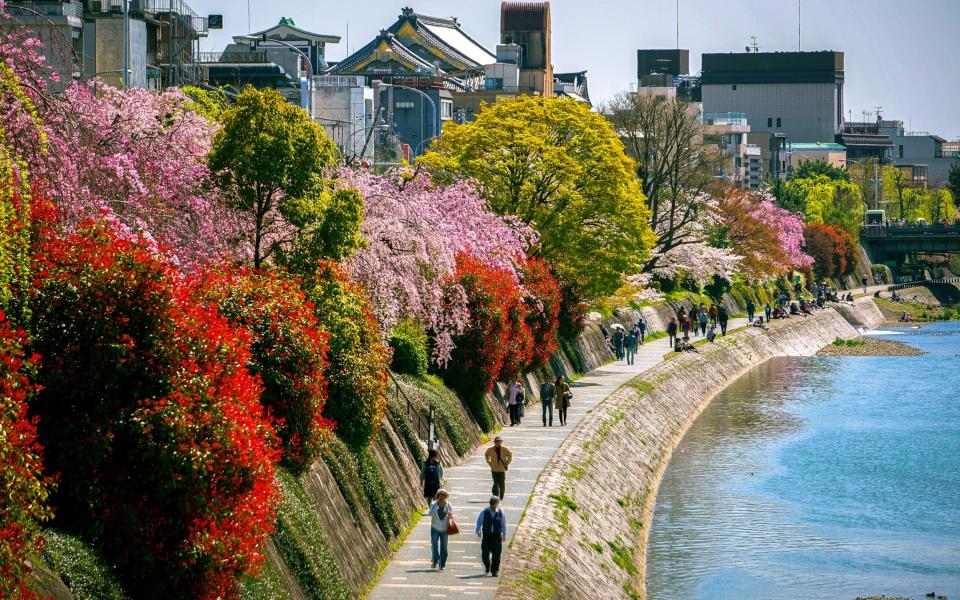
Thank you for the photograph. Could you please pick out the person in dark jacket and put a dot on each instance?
(722, 318)
(547, 393)
(751, 310)
(431, 475)
(618, 339)
(492, 531)
(672, 327)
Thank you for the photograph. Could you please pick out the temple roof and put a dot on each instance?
(420, 42)
(286, 30)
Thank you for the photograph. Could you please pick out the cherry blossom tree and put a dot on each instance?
(414, 230)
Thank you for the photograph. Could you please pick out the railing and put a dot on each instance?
(423, 427)
(175, 7)
(340, 80)
(915, 283)
(232, 57)
(728, 118)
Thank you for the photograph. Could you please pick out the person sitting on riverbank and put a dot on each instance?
(907, 318)
(685, 345)
(758, 322)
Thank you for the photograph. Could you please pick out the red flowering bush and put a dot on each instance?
(289, 352)
(359, 358)
(498, 342)
(833, 250)
(543, 303)
(148, 412)
(24, 487)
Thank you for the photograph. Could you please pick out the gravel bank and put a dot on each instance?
(871, 347)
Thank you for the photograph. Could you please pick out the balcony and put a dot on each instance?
(728, 118)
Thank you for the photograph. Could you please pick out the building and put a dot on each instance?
(797, 94)
(920, 148)
(674, 62)
(283, 57)
(798, 153)
(864, 140)
(742, 165)
(415, 65)
(157, 41)
(665, 73)
(773, 152)
(344, 105)
(527, 25)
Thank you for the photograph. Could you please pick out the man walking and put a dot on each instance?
(499, 458)
(722, 318)
(641, 328)
(751, 310)
(547, 394)
(492, 531)
(618, 342)
(631, 344)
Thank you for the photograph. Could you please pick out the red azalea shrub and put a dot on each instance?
(543, 302)
(359, 358)
(149, 414)
(498, 343)
(24, 486)
(289, 353)
(833, 250)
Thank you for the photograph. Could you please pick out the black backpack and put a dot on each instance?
(431, 477)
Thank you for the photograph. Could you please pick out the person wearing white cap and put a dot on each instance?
(499, 458)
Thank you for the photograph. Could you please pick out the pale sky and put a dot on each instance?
(901, 55)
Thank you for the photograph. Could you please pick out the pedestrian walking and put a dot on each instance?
(514, 400)
(864, 279)
(672, 330)
(722, 318)
(492, 531)
(751, 310)
(703, 319)
(618, 339)
(767, 311)
(441, 524)
(713, 314)
(564, 398)
(695, 320)
(685, 326)
(431, 475)
(631, 346)
(642, 329)
(547, 394)
(499, 458)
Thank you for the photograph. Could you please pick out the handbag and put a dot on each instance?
(452, 527)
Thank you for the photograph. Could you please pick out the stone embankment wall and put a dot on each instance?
(584, 532)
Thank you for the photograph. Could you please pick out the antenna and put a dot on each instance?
(877, 112)
(678, 24)
(348, 38)
(753, 47)
(798, 25)
(249, 28)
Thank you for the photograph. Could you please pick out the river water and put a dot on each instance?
(821, 477)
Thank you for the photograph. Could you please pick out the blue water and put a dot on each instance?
(822, 477)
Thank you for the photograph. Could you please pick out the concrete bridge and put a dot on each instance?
(889, 242)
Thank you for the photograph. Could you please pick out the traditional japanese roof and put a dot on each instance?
(418, 43)
(573, 85)
(865, 140)
(286, 29)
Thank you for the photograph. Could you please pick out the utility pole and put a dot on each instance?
(126, 43)
(678, 24)
(798, 25)
(876, 187)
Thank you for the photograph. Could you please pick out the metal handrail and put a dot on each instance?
(425, 429)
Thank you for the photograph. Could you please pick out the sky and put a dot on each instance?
(899, 55)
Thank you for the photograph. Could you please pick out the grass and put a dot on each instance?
(848, 343)
(564, 501)
(623, 557)
(80, 568)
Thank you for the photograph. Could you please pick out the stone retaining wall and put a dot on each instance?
(584, 532)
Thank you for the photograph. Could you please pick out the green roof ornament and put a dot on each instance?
(287, 21)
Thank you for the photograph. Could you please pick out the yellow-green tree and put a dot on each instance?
(274, 164)
(561, 169)
(904, 200)
(832, 201)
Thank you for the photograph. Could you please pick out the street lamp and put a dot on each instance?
(437, 132)
(306, 57)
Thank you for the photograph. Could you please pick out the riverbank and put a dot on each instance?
(584, 532)
(868, 346)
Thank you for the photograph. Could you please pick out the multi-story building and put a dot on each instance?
(865, 140)
(155, 42)
(773, 152)
(797, 94)
(667, 73)
(742, 162)
(920, 148)
(831, 153)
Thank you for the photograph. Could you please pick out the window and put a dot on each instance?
(900, 149)
(446, 109)
(769, 121)
(778, 122)
(403, 104)
(494, 83)
(734, 86)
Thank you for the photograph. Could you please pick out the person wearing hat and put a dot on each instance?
(441, 514)
(499, 457)
(492, 531)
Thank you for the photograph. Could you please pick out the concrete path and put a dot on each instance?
(408, 574)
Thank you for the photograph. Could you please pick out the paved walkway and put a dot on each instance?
(408, 574)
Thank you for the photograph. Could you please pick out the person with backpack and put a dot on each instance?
(492, 531)
(431, 475)
(499, 458)
(441, 521)
(547, 391)
(712, 313)
(564, 396)
(722, 318)
(751, 310)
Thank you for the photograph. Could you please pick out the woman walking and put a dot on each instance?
(431, 474)
(441, 515)
(563, 398)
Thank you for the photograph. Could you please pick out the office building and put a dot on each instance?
(917, 149)
(797, 94)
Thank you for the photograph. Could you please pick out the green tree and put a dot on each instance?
(811, 168)
(561, 169)
(209, 104)
(953, 181)
(273, 163)
(830, 201)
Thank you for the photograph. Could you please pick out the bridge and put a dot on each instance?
(893, 243)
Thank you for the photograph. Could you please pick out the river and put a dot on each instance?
(820, 477)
